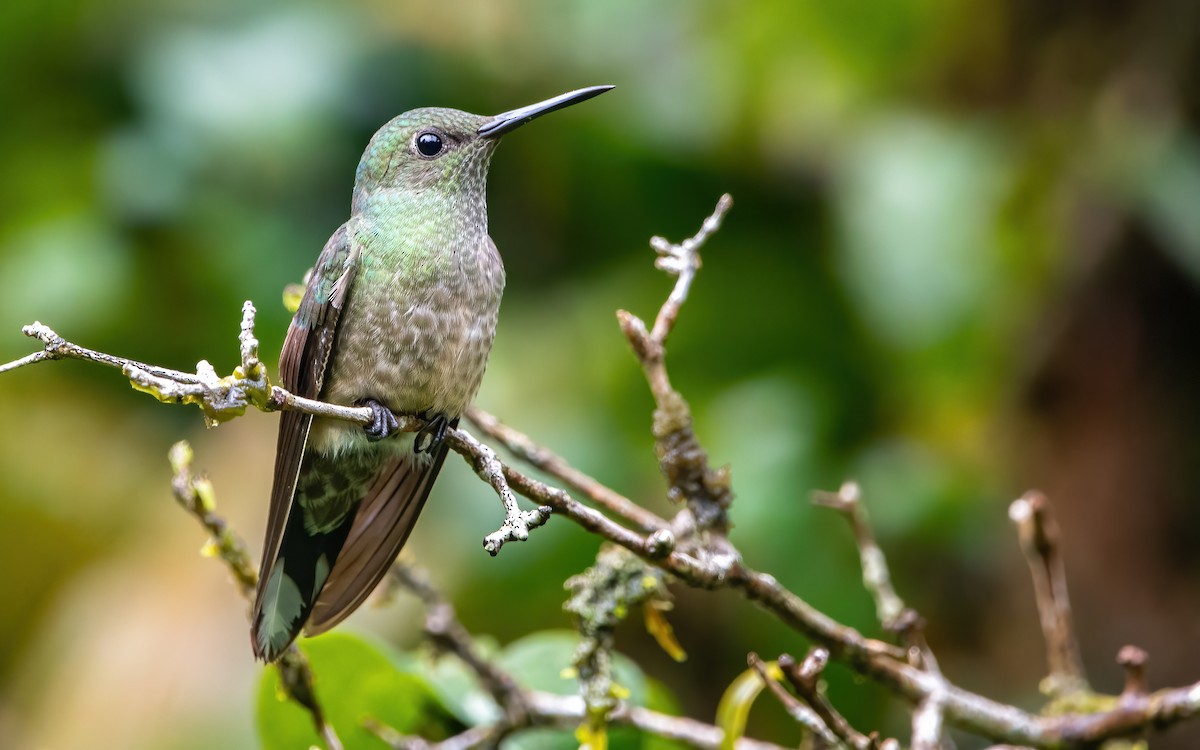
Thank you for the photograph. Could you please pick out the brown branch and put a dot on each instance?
(681, 458)
(802, 713)
(523, 708)
(805, 678)
(876, 577)
(694, 548)
(1040, 540)
(448, 634)
(542, 458)
(1133, 660)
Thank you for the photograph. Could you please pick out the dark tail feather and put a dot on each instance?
(295, 581)
(325, 570)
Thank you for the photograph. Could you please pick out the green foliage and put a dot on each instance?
(354, 681)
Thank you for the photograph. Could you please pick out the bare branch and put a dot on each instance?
(683, 261)
(568, 711)
(1133, 660)
(517, 523)
(876, 577)
(1039, 536)
(681, 458)
(540, 457)
(448, 634)
(804, 716)
(805, 678)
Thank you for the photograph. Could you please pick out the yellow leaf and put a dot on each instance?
(658, 626)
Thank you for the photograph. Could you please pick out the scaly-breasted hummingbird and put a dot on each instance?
(398, 315)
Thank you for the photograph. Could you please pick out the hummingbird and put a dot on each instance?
(398, 315)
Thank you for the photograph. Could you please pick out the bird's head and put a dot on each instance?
(445, 149)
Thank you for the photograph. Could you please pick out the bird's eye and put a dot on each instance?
(429, 144)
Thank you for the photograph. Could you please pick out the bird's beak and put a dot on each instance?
(510, 121)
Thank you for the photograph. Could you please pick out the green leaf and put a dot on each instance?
(538, 661)
(734, 708)
(354, 680)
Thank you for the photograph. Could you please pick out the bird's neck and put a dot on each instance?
(421, 228)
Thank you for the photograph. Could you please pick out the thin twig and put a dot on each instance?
(568, 711)
(805, 678)
(681, 458)
(447, 633)
(1133, 660)
(876, 577)
(524, 448)
(517, 523)
(683, 260)
(1040, 540)
(802, 713)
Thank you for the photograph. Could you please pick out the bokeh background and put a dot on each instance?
(963, 261)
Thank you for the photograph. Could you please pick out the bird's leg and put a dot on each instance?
(430, 437)
(383, 421)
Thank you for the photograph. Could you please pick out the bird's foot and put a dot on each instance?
(430, 437)
(383, 421)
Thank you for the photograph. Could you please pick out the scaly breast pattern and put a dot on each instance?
(416, 336)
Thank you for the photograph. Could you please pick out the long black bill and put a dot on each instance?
(510, 121)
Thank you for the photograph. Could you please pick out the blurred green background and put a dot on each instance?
(963, 261)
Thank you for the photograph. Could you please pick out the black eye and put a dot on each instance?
(429, 144)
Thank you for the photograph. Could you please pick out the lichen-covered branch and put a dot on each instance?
(680, 456)
(522, 708)
(692, 547)
(220, 398)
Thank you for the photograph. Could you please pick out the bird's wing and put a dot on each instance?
(382, 523)
(302, 371)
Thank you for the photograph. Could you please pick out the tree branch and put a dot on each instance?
(523, 708)
(682, 460)
(692, 547)
(1039, 535)
(544, 459)
(876, 578)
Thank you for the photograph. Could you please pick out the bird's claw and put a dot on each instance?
(430, 437)
(383, 421)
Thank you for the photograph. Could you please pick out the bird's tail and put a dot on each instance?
(349, 517)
